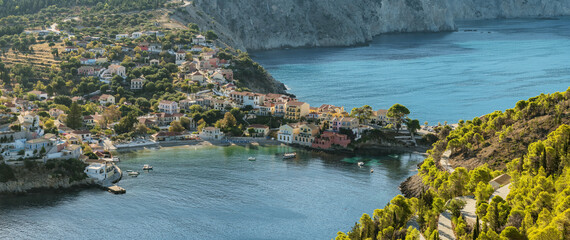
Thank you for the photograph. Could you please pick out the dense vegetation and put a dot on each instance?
(538, 206)
(21, 7)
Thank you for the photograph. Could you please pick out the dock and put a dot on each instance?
(116, 189)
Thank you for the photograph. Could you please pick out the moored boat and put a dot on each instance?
(360, 164)
(289, 155)
(251, 158)
(147, 167)
(133, 173)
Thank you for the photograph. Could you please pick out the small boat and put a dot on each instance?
(133, 173)
(289, 155)
(130, 171)
(251, 158)
(147, 167)
(371, 170)
(360, 164)
(116, 159)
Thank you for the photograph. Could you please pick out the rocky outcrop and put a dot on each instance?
(17, 187)
(265, 24)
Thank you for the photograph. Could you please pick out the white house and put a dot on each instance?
(137, 83)
(106, 98)
(136, 35)
(259, 130)
(119, 36)
(115, 69)
(286, 132)
(247, 98)
(100, 171)
(168, 107)
(211, 133)
(199, 39)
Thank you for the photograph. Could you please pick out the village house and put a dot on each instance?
(137, 83)
(306, 134)
(266, 109)
(336, 124)
(86, 71)
(170, 136)
(227, 73)
(199, 40)
(168, 107)
(119, 36)
(259, 130)
(247, 98)
(154, 62)
(187, 67)
(136, 35)
(211, 133)
(180, 57)
(99, 51)
(296, 110)
(29, 120)
(327, 139)
(286, 132)
(88, 121)
(82, 135)
(101, 60)
(71, 49)
(164, 119)
(38, 144)
(197, 76)
(279, 109)
(88, 61)
(380, 117)
(115, 69)
(106, 98)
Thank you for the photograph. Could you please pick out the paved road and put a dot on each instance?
(502, 191)
(444, 226)
(414, 223)
(469, 210)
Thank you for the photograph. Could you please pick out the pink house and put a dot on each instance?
(327, 139)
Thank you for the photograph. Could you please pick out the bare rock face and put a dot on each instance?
(266, 24)
(490, 9)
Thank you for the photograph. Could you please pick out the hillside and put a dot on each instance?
(291, 23)
(530, 143)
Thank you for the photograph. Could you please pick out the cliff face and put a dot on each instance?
(490, 9)
(266, 24)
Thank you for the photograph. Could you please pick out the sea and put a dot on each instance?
(212, 192)
(440, 77)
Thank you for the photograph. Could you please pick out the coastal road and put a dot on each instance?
(469, 210)
(444, 226)
(502, 191)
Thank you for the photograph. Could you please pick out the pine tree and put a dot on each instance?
(74, 119)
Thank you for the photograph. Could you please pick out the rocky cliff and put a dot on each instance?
(265, 24)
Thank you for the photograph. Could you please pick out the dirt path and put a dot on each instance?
(444, 161)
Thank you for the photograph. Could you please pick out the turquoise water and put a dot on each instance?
(216, 193)
(438, 76)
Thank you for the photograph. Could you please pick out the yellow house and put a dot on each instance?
(296, 110)
(306, 135)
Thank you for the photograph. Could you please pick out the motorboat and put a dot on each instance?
(371, 170)
(133, 173)
(147, 167)
(289, 155)
(251, 158)
(116, 159)
(360, 164)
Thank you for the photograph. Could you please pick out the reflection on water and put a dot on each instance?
(209, 192)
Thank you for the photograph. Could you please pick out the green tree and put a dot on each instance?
(175, 126)
(362, 113)
(397, 113)
(74, 118)
(413, 125)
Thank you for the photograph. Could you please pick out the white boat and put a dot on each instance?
(251, 158)
(133, 173)
(147, 167)
(116, 159)
(360, 164)
(289, 155)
